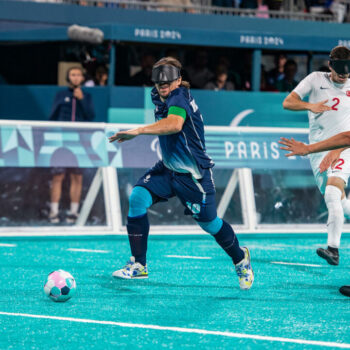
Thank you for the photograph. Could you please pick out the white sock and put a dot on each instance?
(335, 221)
(53, 208)
(346, 207)
(74, 207)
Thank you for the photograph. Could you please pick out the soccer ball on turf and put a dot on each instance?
(60, 286)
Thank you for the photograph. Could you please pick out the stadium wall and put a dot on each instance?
(133, 105)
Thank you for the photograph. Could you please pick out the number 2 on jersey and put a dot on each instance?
(339, 164)
(336, 103)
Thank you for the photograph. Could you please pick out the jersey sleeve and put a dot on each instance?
(304, 88)
(178, 104)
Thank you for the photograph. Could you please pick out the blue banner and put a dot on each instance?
(57, 146)
(242, 38)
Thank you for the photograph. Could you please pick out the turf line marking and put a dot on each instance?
(188, 257)
(7, 245)
(184, 330)
(87, 250)
(295, 264)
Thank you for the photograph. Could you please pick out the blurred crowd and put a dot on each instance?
(338, 8)
(210, 68)
(201, 75)
(219, 75)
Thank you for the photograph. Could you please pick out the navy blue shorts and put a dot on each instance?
(198, 196)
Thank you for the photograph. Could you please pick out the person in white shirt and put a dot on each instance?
(329, 114)
(297, 148)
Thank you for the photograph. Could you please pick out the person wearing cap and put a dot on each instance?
(329, 114)
(185, 171)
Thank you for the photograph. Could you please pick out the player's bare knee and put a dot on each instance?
(337, 182)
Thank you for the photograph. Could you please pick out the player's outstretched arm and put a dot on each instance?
(124, 135)
(294, 103)
(172, 124)
(297, 148)
(167, 126)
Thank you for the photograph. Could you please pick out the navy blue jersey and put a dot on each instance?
(183, 152)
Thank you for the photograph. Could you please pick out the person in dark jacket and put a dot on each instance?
(72, 105)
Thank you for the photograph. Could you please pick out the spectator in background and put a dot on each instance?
(100, 77)
(262, 10)
(338, 8)
(264, 85)
(288, 83)
(143, 78)
(277, 73)
(199, 73)
(246, 72)
(220, 81)
(233, 76)
(71, 105)
(179, 3)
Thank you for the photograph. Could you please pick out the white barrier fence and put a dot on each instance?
(259, 190)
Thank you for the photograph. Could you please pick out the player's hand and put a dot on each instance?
(320, 107)
(330, 160)
(296, 148)
(78, 93)
(124, 135)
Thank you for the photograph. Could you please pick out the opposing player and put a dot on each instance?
(329, 114)
(297, 148)
(184, 171)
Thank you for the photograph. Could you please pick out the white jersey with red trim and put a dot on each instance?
(319, 87)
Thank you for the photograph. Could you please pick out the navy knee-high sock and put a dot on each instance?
(227, 239)
(138, 228)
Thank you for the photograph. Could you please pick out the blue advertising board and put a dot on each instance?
(40, 145)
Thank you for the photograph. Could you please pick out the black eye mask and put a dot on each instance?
(340, 66)
(165, 74)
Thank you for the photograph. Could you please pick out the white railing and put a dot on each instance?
(106, 178)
